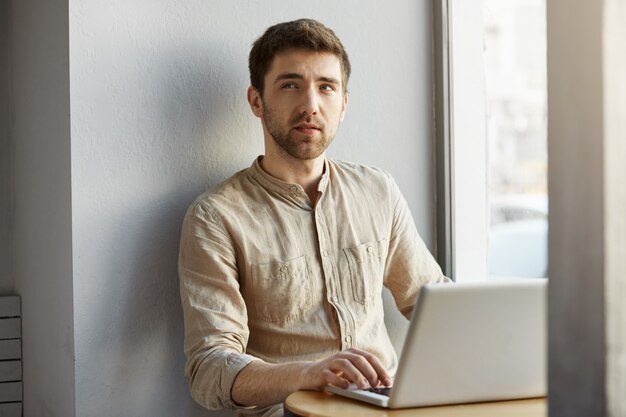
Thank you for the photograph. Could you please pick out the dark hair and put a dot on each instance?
(300, 34)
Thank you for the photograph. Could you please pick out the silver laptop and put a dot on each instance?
(470, 342)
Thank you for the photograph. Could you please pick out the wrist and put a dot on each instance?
(304, 376)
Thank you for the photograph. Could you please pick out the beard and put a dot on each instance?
(302, 147)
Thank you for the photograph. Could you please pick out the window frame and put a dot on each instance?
(444, 146)
(462, 246)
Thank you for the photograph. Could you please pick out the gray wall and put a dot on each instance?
(41, 220)
(587, 236)
(577, 194)
(153, 99)
(6, 279)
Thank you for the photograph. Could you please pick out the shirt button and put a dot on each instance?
(283, 269)
(335, 299)
(325, 253)
(293, 188)
(370, 249)
(348, 339)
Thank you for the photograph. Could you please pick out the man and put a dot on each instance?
(282, 265)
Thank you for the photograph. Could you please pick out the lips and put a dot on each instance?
(307, 128)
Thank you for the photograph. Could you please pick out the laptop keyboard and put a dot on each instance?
(380, 390)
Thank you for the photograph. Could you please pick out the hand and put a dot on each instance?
(349, 366)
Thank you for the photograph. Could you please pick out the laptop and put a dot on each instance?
(470, 342)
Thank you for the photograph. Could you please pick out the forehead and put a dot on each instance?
(305, 63)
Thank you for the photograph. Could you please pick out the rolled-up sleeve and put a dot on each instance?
(215, 315)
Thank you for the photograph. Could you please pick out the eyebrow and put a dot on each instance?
(296, 76)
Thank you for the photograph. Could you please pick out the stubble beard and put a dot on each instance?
(284, 137)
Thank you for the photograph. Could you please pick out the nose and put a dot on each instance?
(309, 102)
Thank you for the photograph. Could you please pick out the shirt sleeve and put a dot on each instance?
(215, 315)
(409, 264)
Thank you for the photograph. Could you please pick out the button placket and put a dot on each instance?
(332, 282)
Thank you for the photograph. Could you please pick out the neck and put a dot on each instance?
(306, 173)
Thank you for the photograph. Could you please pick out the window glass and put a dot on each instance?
(516, 130)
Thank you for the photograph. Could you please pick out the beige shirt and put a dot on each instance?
(264, 275)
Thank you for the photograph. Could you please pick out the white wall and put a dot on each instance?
(41, 219)
(158, 114)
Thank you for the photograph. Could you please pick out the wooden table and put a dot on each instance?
(322, 404)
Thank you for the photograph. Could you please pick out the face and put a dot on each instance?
(302, 103)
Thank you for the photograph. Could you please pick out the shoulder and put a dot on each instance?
(227, 193)
(345, 168)
(365, 181)
(365, 175)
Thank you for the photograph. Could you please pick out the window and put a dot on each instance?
(493, 156)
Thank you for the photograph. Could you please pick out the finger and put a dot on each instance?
(346, 368)
(362, 364)
(332, 378)
(376, 365)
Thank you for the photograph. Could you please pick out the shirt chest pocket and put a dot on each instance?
(366, 264)
(282, 290)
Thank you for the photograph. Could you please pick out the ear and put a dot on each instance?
(343, 107)
(255, 101)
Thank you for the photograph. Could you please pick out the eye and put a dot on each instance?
(288, 86)
(327, 88)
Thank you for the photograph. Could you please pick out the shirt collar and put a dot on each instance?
(321, 187)
(272, 183)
